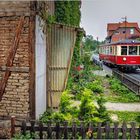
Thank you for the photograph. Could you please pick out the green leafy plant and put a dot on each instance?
(102, 112)
(138, 118)
(65, 102)
(122, 93)
(95, 86)
(88, 110)
(26, 136)
(126, 116)
(46, 116)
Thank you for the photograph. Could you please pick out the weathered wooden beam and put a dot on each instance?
(15, 69)
(32, 66)
(11, 56)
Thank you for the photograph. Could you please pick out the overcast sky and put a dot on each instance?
(97, 13)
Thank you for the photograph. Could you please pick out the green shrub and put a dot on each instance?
(138, 118)
(46, 116)
(102, 111)
(65, 102)
(26, 136)
(57, 116)
(95, 86)
(87, 108)
(123, 94)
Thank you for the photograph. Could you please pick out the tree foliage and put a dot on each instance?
(91, 44)
(68, 12)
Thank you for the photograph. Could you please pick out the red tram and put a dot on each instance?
(124, 54)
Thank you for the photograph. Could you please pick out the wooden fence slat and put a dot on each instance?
(82, 130)
(12, 126)
(49, 130)
(62, 130)
(99, 131)
(107, 130)
(74, 130)
(32, 130)
(124, 130)
(116, 130)
(90, 130)
(139, 132)
(57, 130)
(23, 127)
(40, 130)
(65, 130)
(132, 131)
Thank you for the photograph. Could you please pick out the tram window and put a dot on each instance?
(132, 50)
(107, 50)
(100, 50)
(123, 50)
(111, 51)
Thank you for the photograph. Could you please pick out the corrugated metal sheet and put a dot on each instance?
(61, 41)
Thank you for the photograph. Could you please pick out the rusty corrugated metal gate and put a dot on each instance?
(60, 46)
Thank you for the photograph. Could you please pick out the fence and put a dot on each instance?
(128, 81)
(82, 130)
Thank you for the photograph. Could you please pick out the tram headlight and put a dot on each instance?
(124, 58)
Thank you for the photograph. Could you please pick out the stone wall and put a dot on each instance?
(15, 100)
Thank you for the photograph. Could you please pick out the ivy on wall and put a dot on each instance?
(68, 12)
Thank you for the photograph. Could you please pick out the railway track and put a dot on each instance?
(130, 80)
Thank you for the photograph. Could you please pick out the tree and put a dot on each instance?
(90, 44)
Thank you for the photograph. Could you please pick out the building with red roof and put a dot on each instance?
(124, 30)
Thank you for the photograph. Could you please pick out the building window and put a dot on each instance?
(131, 31)
(123, 32)
(123, 50)
(132, 50)
(117, 32)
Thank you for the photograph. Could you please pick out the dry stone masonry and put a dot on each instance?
(15, 100)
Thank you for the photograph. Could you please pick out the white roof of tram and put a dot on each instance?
(125, 41)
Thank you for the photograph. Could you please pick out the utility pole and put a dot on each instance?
(125, 21)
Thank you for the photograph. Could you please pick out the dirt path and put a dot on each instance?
(134, 107)
(123, 106)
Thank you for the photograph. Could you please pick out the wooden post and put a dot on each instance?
(82, 130)
(65, 130)
(132, 131)
(74, 130)
(90, 130)
(40, 130)
(124, 130)
(32, 131)
(116, 130)
(12, 126)
(57, 130)
(99, 131)
(107, 130)
(23, 128)
(49, 130)
(139, 132)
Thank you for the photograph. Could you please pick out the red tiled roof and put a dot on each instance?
(114, 26)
